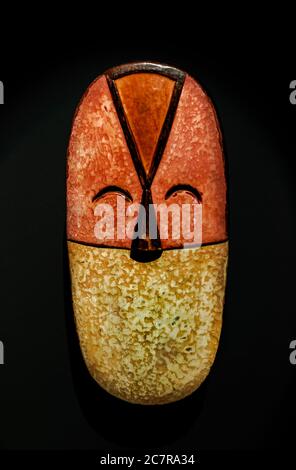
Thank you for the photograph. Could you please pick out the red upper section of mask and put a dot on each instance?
(99, 157)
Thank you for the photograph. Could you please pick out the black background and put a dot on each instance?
(46, 399)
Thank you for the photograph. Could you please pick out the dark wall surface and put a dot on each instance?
(47, 400)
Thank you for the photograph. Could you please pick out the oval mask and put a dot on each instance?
(146, 230)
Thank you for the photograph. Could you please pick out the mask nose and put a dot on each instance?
(146, 245)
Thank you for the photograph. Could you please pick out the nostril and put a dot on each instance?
(145, 255)
(145, 250)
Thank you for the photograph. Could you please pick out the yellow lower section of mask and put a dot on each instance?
(148, 332)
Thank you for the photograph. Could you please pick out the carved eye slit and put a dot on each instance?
(184, 187)
(113, 189)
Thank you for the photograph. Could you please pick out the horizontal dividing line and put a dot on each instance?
(93, 245)
(201, 245)
(98, 245)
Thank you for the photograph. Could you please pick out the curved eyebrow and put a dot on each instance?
(184, 187)
(113, 189)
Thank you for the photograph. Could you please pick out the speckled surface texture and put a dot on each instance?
(193, 155)
(148, 332)
(98, 156)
